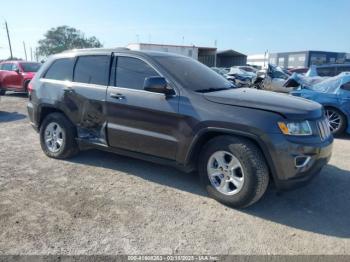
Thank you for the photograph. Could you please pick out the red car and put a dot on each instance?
(16, 75)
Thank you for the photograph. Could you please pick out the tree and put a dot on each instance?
(64, 38)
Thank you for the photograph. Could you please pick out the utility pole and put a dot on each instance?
(31, 54)
(25, 50)
(8, 38)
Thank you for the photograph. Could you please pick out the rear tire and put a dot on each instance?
(2, 92)
(245, 169)
(57, 137)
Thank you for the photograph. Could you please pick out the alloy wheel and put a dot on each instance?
(334, 120)
(225, 173)
(54, 137)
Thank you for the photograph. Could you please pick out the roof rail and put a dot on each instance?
(96, 49)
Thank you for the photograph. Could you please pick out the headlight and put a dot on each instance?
(302, 128)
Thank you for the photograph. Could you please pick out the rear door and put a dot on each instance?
(139, 120)
(78, 87)
(88, 93)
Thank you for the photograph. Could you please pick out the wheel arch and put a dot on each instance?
(209, 133)
(45, 110)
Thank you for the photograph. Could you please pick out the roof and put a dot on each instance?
(230, 52)
(103, 51)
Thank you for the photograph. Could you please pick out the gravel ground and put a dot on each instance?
(100, 203)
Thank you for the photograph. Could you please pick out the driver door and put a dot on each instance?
(139, 120)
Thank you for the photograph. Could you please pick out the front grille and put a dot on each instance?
(323, 129)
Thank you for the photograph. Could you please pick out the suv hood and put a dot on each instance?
(286, 105)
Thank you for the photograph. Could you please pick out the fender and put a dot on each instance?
(54, 106)
(258, 139)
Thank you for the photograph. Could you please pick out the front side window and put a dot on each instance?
(92, 69)
(61, 69)
(132, 72)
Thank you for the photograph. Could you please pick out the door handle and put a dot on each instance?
(117, 96)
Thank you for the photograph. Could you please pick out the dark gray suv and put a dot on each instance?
(171, 109)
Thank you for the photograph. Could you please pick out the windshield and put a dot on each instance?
(193, 75)
(30, 67)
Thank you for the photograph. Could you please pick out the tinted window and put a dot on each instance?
(92, 70)
(30, 67)
(326, 71)
(192, 74)
(131, 72)
(61, 69)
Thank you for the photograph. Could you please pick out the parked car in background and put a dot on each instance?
(224, 72)
(174, 110)
(328, 70)
(241, 78)
(274, 80)
(334, 94)
(16, 75)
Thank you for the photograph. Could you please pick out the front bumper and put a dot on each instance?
(284, 153)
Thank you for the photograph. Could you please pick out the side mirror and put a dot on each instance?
(17, 71)
(157, 84)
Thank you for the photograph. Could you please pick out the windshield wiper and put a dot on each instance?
(208, 90)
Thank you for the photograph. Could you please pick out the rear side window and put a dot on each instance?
(92, 70)
(61, 69)
(132, 72)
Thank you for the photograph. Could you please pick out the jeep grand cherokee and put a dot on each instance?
(171, 109)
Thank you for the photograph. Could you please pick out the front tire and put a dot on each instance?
(2, 92)
(234, 171)
(57, 137)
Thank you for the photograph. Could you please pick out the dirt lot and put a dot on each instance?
(100, 203)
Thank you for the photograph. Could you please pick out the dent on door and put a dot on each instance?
(88, 109)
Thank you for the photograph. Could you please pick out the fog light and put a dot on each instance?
(301, 161)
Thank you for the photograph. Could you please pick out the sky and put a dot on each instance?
(247, 26)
